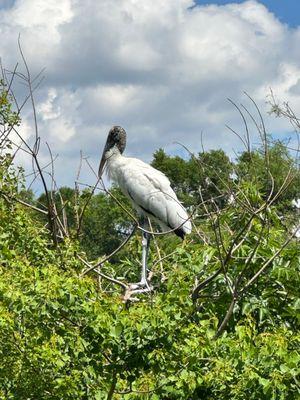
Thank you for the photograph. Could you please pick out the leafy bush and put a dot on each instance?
(63, 338)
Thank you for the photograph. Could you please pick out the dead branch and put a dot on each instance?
(98, 264)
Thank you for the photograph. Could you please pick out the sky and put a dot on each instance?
(161, 69)
(287, 11)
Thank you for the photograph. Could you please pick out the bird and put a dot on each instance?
(148, 190)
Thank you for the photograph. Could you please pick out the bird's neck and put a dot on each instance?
(113, 161)
(112, 154)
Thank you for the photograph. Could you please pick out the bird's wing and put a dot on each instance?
(150, 190)
(158, 179)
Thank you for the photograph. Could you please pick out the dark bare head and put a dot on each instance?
(115, 142)
(116, 137)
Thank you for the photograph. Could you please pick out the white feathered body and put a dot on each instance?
(149, 191)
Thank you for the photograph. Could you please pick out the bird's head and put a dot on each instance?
(115, 142)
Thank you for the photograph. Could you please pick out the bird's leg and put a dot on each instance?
(145, 251)
(145, 245)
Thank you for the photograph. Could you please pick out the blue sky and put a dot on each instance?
(288, 11)
(6, 3)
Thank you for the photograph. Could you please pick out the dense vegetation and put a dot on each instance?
(222, 322)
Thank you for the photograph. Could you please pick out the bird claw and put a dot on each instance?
(138, 285)
(143, 290)
(136, 288)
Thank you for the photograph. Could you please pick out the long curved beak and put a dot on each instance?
(102, 164)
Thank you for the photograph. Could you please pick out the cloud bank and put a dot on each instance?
(163, 70)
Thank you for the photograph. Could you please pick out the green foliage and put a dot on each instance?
(63, 338)
(272, 171)
(105, 225)
(64, 199)
(7, 115)
(209, 171)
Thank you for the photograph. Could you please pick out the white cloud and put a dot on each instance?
(162, 69)
(38, 13)
(47, 109)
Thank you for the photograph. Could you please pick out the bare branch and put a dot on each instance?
(109, 278)
(98, 264)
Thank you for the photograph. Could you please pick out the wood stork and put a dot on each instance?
(148, 190)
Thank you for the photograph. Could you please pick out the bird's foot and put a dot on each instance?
(136, 288)
(142, 284)
(141, 287)
(147, 289)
